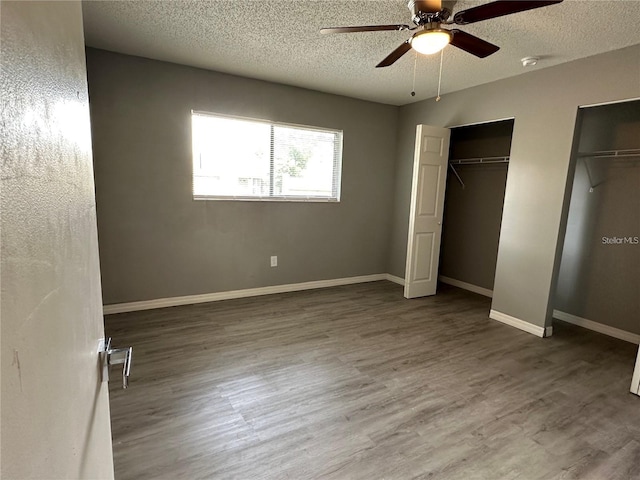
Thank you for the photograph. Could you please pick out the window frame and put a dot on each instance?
(336, 174)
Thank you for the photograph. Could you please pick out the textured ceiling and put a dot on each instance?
(278, 40)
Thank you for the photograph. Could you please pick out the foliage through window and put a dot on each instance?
(240, 159)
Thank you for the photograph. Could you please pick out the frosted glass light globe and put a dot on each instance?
(430, 41)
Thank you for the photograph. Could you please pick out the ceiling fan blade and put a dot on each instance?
(472, 44)
(395, 55)
(364, 28)
(498, 9)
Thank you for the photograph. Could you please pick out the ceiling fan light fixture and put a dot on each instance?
(430, 41)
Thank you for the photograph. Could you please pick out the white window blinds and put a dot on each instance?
(240, 159)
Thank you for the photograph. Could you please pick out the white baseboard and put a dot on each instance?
(394, 279)
(597, 327)
(248, 292)
(467, 286)
(521, 324)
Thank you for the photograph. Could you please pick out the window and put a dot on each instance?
(241, 159)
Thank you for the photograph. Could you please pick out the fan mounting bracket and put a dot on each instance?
(423, 18)
(430, 11)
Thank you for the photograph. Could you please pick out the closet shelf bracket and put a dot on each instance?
(591, 185)
(456, 174)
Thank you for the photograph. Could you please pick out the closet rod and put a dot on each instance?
(479, 160)
(634, 152)
(628, 153)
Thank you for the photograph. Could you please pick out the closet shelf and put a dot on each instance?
(628, 153)
(632, 152)
(474, 161)
(478, 160)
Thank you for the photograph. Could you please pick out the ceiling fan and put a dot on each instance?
(428, 17)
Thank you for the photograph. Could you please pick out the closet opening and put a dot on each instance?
(599, 273)
(474, 199)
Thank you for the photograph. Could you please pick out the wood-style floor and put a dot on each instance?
(357, 382)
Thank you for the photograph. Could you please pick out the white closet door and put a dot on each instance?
(427, 205)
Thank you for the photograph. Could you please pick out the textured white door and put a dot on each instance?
(55, 407)
(635, 382)
(425, 218)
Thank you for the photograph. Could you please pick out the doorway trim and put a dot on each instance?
(635, 381)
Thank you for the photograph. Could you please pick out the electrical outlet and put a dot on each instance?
(274, 260)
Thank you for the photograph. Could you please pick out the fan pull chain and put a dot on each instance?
(440, 75)
(415, 62)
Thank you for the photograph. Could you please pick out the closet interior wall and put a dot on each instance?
(599, 276)
(473, 213)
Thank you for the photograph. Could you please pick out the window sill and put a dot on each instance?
(268, 199)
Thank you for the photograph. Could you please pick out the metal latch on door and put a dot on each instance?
(116, 356)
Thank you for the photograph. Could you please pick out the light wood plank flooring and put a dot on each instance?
(357, 382)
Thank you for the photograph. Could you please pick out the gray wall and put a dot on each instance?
(55, 408)
(472, 215)
(156, 241)
(544, 104)
(597, 281)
